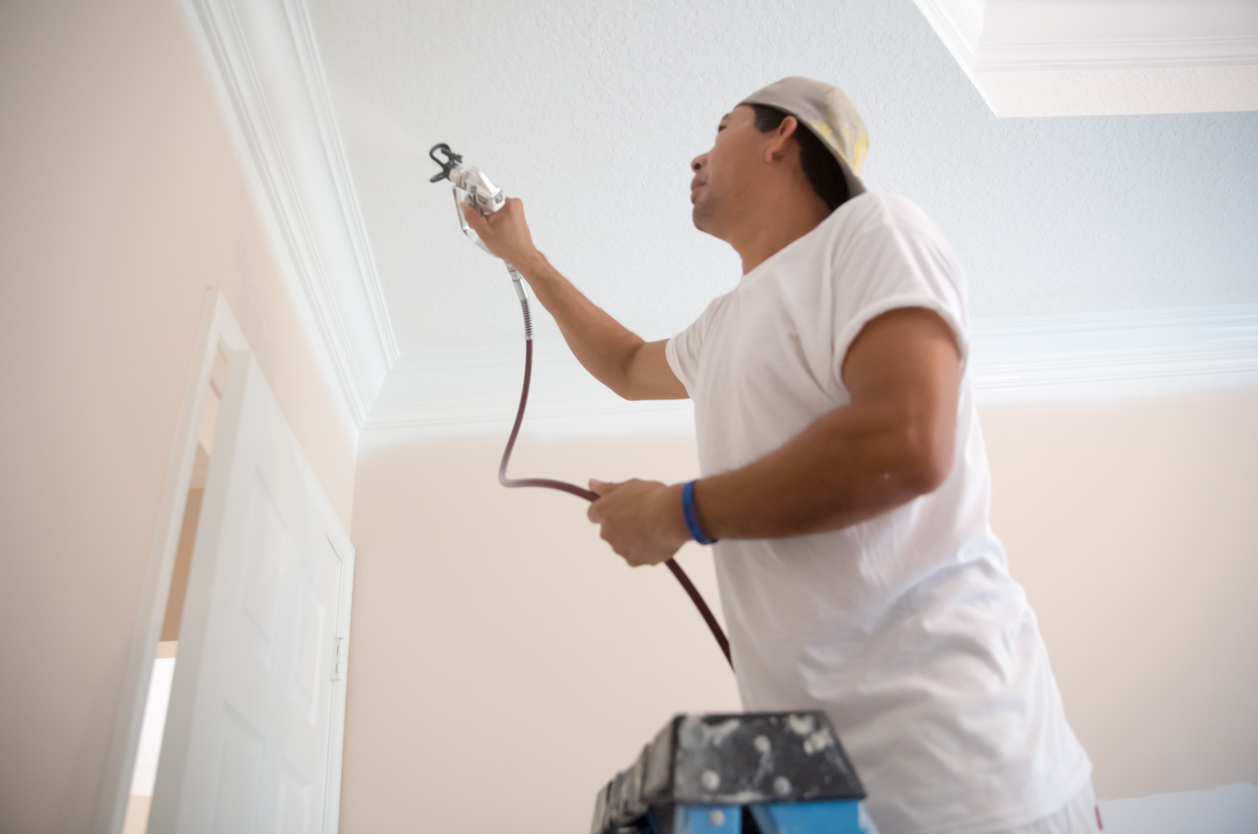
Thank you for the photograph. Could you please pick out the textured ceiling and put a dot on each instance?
(591, 112)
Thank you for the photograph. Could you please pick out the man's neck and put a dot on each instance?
(778, 223)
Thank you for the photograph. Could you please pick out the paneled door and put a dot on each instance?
(253, 732)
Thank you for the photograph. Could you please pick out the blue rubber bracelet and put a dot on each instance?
(688, 511)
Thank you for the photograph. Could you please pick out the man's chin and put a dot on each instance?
(699, 216)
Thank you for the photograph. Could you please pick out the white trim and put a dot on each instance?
(1108, 356)
(1064, 57)
(475, 391)
(958, 34)
(1094, 356)
(219, 332)
(264, 63)
(1134, 53)
(1118, 91)
(332, 794)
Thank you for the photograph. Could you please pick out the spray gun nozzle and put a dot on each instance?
(451, 162)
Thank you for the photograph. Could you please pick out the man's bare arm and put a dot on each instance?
(615, 356)
(892, 443)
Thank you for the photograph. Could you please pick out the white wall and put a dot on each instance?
(122, 202)
(500, 650)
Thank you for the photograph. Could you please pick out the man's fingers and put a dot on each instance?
(472, 216)
(596, 512)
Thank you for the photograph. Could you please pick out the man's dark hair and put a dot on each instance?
(819, 164)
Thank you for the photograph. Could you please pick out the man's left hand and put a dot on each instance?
(641, 520)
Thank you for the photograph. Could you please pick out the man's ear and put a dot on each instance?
(781, 143)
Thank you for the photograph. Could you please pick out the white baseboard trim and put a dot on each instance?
(1088, 357)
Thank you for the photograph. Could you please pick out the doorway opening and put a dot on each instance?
(144, 775)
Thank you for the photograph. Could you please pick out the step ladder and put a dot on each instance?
(737, 773)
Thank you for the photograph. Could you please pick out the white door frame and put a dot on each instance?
(219, 332)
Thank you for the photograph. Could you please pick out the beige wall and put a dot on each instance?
(503, 663)
(499, 651)
(122, 202)
(1134, 528)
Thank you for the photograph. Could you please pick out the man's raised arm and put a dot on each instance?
(615, 356)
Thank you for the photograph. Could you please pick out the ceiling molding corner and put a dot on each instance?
(1065, 58)
(264, 63)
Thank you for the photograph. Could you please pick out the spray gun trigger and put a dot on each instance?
(467, 230)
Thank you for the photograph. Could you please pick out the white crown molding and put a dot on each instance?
(1109, 356)
(1103, 57)
(475, 391)
(264, 63)
(1089, 357)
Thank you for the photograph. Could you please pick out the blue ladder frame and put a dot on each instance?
(836, 817)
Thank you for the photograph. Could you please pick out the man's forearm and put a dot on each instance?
(601, 344)
(849, 466)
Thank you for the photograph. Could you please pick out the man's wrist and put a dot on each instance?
(672, 512)
(533, 266)
(690, 515)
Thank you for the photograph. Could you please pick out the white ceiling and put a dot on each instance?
(591, 113)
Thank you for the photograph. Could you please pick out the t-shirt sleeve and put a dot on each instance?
(683, 350)
(895, 263)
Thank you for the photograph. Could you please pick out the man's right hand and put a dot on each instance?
(505, 231)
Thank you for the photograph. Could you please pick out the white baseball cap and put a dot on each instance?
(826, 111)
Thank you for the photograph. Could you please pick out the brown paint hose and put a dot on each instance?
(573, 489)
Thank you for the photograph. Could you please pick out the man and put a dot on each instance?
(845, 481)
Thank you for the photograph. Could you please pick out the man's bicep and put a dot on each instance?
(650, 377)
(906, 366)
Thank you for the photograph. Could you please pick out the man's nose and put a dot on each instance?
(697, 163)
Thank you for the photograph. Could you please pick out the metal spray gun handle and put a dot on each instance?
(480, 193)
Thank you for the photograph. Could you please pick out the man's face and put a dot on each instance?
(722, 175)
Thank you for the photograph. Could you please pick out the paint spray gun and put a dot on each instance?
(473, 188)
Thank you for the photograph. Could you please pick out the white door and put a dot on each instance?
(253, 732)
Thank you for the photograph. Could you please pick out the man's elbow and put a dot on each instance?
(627, 390)
(927, 461)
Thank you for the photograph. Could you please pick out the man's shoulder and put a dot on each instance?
(881, 210)
(881, 220)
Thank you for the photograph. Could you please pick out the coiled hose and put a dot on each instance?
(573, 489)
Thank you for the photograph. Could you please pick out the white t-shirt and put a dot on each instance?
(906, 629)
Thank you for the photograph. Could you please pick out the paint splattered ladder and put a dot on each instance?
(741, 773)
